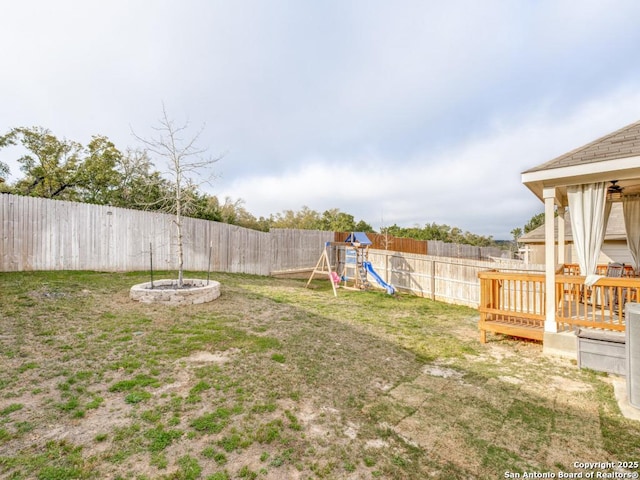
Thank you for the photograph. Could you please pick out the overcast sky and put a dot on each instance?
(405, 112)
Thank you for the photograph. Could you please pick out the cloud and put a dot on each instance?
(415, 111)
(475, 185)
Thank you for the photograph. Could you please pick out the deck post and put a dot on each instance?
(549, 195)
(561, 235)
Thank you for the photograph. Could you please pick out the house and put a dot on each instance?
(614, 248)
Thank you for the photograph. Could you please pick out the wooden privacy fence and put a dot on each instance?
(389, 242)
(427, 247)
(296, 250)
(450, 280)
(43, 234)
(458, 250)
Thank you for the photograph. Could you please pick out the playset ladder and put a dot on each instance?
(353, 269)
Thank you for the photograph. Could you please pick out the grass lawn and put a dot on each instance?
(275, 381)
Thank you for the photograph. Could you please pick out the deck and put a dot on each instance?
(514, 303)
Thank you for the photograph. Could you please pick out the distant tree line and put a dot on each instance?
(100, 173)
(533, 223)
(444, 233)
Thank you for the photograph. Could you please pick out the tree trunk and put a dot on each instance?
(179, 227)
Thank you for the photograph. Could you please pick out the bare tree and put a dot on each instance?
(186, 165)
(387, 239)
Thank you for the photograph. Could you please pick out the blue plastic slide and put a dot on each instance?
(389, 288)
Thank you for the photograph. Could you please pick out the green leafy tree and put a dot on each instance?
(443, 233)
(140, 186)
(97, 178)
(456, 235)
(263, 224)
(207, 207)
(362, 226)
(337, 221)
(230, 211)
(4, 168)
(516, 234)
(534, 222)
(50, 165)
(234, 212)
(305, 219)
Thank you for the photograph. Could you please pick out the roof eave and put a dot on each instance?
(618, 169)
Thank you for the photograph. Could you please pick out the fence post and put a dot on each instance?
(386, 267)
(433, 279)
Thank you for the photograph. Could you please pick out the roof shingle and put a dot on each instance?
(615, 227)
(622, 143)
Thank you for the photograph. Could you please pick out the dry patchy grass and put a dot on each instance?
(276, 381)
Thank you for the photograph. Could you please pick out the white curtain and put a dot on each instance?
(631, 212)
(589, 212)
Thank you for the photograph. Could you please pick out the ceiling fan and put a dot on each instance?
(614, 188)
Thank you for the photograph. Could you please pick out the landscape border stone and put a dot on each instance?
(196, 291)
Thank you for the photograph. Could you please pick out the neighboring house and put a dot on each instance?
(614, 248)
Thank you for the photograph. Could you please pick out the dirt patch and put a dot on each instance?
(440, 371)
(511, 380)
(218, 358)
(569, 385)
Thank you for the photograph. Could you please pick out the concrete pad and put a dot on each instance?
(561, 344)
(620, 391)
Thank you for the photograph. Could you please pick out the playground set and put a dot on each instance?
(347, 265)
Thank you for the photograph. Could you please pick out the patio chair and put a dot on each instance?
(614, 270)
